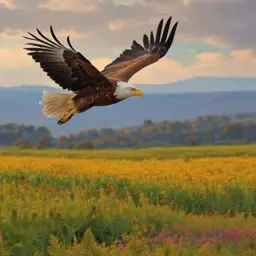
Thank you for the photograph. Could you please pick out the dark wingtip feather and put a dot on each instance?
(171, 36)
(51, 29)
(137, 46)
(48, 41)
(54, 36)
(32, 35)
(145, 41)
(166, 30)
(26, 37)
(159, 31)
(151, 38)
(70, 45)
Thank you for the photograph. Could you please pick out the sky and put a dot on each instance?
(213, 38)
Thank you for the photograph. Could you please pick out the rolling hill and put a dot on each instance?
(161, 102)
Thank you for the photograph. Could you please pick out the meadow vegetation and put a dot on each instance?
(162, 153)
(159, 201)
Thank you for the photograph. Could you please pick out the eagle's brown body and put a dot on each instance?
(101, 95)
(91, 87)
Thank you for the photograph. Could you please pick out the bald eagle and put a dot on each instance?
(91, 87)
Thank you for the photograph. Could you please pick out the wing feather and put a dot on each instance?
(145, 42)
(166, 30)
(67, 67)
(130, 61)
(152, 40)
(159, 30)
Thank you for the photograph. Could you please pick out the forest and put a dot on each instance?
(204, 130)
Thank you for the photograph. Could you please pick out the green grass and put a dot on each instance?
(139, 154)
(231, 199)
(47, 217)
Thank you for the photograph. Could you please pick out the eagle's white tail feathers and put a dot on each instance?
(56, 104)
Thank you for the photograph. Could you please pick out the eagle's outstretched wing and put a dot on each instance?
(138, 57)
(67, 67)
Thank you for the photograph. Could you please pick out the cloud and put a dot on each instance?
(9, 4)
(217, 41)
(11, 33)
(229, 21)
(76, 6)
(128, 2)
(116, 24)
(223, 22)
(238, 63)
(17, 34)
(13, 58)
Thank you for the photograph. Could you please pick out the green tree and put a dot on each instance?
(44, 141)
(84, 145)
(191, 140)
(22, 143)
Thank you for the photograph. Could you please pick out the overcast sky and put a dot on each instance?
(214, 37)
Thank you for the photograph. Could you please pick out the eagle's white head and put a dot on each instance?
(125, 90)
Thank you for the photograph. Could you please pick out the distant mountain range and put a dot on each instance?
(178, 101)
(196, 84)
(204, 84)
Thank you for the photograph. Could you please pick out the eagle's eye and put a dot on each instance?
(133, 89)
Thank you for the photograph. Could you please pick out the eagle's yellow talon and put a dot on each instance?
(65, 117)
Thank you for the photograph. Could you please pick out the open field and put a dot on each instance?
(140, 154)
(162, 201)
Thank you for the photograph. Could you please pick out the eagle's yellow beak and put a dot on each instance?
(139, 93)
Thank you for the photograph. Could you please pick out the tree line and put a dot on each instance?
(239, 128)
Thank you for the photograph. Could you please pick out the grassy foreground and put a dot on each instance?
(167, 202)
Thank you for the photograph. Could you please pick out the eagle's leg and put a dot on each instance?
(66, 117)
